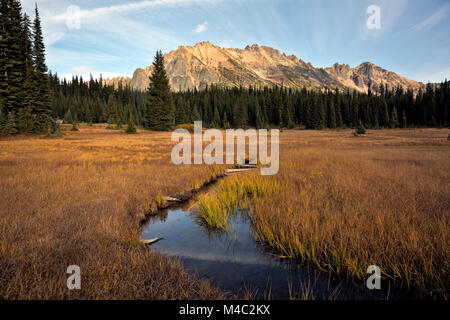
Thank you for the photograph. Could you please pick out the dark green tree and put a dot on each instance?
(385, 122)
(394, 118)
(11, 124)
(12, 52)
(160, 106)
(360, 129)
(216, 120)
(131, 128)
(331, 115)
(240, 114)
(42, 108)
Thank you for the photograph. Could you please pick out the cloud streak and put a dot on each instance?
(433, 19)
(131, 7)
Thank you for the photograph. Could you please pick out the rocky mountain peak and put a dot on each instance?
(203, 64)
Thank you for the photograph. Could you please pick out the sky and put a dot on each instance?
(115, 37)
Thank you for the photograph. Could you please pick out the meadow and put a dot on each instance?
(339, 202)
(79, 200)
(343, 203)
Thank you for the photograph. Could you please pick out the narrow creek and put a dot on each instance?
(235, 262)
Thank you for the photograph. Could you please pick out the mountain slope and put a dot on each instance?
(205, 64)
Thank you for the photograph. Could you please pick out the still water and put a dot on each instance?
(237, 263)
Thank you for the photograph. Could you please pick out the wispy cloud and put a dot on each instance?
(433, 19)
(135, 6)
(81, 69)
(201, 27)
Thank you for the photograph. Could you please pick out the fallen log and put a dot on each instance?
(151, 241)
(171, 199)
(237, 170)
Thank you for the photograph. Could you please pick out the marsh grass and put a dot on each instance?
(232, 194)
(79, 200)
(343, 204)
(338, 203)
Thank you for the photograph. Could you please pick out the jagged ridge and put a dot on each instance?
(205, 64)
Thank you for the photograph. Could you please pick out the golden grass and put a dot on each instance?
(349, 202)
(215, 208)
(79, 200)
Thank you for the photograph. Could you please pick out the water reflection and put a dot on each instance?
(237, 263)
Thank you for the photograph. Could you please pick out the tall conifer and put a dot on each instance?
(160, 106)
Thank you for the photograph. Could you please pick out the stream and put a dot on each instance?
(235, 262)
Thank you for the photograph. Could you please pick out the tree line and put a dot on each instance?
(31, 98)
(159, 109)
(25, 95)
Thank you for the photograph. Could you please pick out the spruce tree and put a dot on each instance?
(2, 122)
(384, 121)
(160, 106)
(29, 84)
(12, 56)
(4, 36)
(331, 116)
(360, 129)
(216, 120)
(11, 125)
(195, 116)
(131, 128)
(240, 114)
(405, 125)
(68, 117)
(226, 124)
(394, 118)
(43, 105)
(74, 126)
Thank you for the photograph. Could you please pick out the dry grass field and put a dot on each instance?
(343, 203)
(339, 202)
(78, 200)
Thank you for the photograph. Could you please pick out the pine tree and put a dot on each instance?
(385, 122)
(259, 121)
(4, 36)
(74, 126)
(2, 121)
(111, 109)
(360, 129)
(29, 84)
(43, 106)
(11, 125)
(216, 120)
(405, 125)
(131, 128)
(68, 117)
(12, 53)
(226, 124)
(180, 112)
(160, 106)
(394, 118)
(331, 116)
(195, 116)
(240, 114)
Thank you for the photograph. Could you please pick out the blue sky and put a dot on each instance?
(117, 36)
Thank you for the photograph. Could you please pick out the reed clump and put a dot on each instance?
(232, 194)
(345, 204)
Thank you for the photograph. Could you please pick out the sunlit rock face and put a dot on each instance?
(204, 64)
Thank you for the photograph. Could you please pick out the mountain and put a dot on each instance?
(204, 64)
